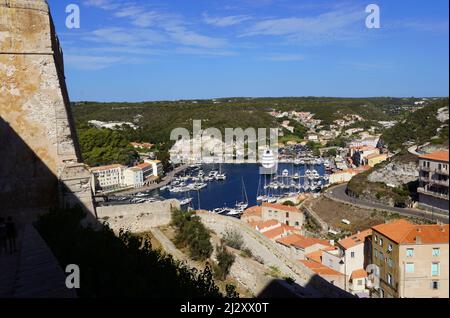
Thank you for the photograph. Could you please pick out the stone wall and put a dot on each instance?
(38, 143)
(138, 218)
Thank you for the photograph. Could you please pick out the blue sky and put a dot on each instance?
(130, 50)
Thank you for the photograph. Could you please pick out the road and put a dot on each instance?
(338, 193)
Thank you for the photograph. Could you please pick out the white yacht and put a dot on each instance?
(186, 201)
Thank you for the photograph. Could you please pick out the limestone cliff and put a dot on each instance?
(39, 153)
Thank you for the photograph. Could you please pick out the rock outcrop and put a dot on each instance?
(396, 174)
(40, 158)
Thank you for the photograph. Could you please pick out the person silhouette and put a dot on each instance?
(11, 234)
(2, 235)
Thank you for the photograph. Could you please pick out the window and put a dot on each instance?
(352, 254)
(390, 248)
(381, 242)
(435, 285)
(435, 269)
(375, 238)
(381, 256)
(287, 214)
(360, 282)
(390, 262)
(297, 224)
(376, 253)
(436, 251)
(409, 252)
(287, 223)
(409, 268)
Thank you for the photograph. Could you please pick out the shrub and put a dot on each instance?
(289, 203)
(225, 260)
(233, 239)
(192, 233)
(246, 253)
(231, 291)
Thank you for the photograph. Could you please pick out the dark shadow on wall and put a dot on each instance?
(317, 287)
(28, 187)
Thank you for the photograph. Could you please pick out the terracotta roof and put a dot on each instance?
(315, 256)
(372, 156)
(107, 167)
(358, 273)
(438, 156)
(404, 232)
(261, 225)
(281, 207)
(253, 211)
(301, 241)
(320, 269)
(271, 234)
(355, 239)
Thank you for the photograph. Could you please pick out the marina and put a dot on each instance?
(229, 189)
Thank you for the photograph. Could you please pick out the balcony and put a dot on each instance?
(434, 194)
(442, 171)
(444, 183)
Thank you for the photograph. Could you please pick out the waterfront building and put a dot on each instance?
(156, 167)
(288, 215)
(107, 178)
(434, 181)
(346, 175)
(134, 177)
(413, 260)
(359, 154)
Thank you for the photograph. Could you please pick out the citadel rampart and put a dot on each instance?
(41, 164)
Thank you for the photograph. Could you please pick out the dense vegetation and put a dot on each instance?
(123, 266)
(156, 120)
(191, 233)
(105, 146)
(418, 127)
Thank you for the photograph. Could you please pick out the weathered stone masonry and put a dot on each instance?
(40, 160)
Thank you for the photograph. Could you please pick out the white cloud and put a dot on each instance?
(225, 21)
(342, 24)
(102, 4)
(284, 57)
(92, 63)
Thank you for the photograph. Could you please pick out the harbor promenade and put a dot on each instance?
(164, 181)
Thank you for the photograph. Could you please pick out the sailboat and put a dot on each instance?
(221, 176)
(244, 203)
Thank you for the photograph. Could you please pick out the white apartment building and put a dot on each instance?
(134, 177)
(157, 167)
(107, 177)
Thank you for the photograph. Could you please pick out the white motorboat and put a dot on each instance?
(186, 201)
(285, 173)
(296, 176)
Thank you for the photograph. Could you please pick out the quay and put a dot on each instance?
(164, 181)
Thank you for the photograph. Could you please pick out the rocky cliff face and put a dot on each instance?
(38, 144)
(396, 174)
